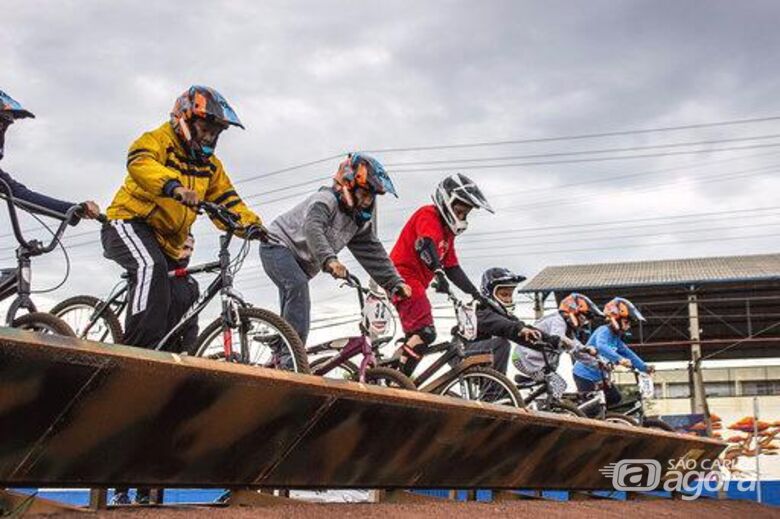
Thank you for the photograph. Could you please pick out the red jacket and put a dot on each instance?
(424, 223)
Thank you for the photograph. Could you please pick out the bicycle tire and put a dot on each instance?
(351, 370)
(398, 379)
(567, 408)
(44, 323)
(621, 419)
(289, 335)
(107, 316)
(652, 423)
(496, 377)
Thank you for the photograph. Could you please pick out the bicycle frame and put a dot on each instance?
(361, 344)
(19, 283)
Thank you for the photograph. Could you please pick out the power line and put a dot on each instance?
(288, 169)
(584, 160)
(621, 247)
(584, 152)
(577, 136)
(629, 236)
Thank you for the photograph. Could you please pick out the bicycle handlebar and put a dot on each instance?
(34, 245)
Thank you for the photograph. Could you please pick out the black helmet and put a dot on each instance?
(497, 277)
(458, 187)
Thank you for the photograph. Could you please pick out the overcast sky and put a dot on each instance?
(314, 79)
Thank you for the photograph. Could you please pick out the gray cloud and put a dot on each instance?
(311, 79)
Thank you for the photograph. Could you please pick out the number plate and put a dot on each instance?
(646, 387)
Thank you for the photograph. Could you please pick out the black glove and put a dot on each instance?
(441, 285)
(256, 232)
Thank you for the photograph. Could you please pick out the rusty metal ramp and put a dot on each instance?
(74, 413)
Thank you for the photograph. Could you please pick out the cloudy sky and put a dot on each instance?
(311, 80)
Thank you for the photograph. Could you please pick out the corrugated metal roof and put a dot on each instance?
(663, 272)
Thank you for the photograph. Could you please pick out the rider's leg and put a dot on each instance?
(184, 293)
(295, 305)
(133, 246)
(417, 321)
(498, 346)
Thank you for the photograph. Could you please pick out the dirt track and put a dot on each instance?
(602, 509)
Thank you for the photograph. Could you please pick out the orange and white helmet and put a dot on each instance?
(578, 310)
(620, 309)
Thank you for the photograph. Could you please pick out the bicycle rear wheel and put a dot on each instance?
(387, 377)
(484, 385)
(43, 323)
(621, 419)
(270, 341)
(347, 370)
(653, 423)
(78, 313)
(566, 408)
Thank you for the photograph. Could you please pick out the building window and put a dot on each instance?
(760, 387)
(678, 390)
(658, 391)
(716, 389)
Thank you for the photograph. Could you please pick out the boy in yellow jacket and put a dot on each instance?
(170, 169)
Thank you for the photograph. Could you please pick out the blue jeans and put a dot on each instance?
(586, 386)
(295, 304)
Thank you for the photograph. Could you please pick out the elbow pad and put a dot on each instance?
(426, 249)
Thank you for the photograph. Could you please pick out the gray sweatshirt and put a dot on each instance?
(317, 229)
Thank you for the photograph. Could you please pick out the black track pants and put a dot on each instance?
(132, 245)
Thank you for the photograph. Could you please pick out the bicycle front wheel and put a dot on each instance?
(269, 341)
(484, 385)
(44, 323)
(80, 314)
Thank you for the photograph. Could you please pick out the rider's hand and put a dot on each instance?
(625, 363)
(188, 197)
(442, 285)
(402, 291)
(89, 210)
(590, 350)
(530, 335)
(257, 232)
(650, 369)
(336, 269)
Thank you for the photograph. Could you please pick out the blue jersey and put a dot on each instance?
(611, 347)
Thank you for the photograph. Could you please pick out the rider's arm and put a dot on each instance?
(372, 256)
(22, 194)
(629, 354)
(221, 191)
(318, 218)
(492, 324)
(146, 166)
(600, 340)
(456, 274)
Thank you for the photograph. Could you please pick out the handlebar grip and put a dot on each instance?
(102, 218)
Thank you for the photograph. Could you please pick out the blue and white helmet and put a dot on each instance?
(10, 107)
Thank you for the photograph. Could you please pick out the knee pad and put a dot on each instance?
(427, 334)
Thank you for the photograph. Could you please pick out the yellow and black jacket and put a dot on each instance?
(156, 162)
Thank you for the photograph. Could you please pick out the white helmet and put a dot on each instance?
(461, 188)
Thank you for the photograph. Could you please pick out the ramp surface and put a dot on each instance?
(75, 413)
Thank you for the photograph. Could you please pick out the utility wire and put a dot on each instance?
(577, 136)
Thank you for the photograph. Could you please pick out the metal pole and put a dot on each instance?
(539, 305)
(697, 390)
(758, 448)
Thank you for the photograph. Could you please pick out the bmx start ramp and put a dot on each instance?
(75, 413)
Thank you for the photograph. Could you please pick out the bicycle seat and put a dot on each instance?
(523, 381)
